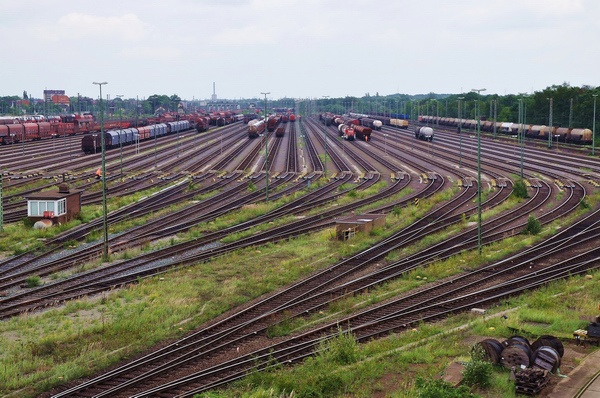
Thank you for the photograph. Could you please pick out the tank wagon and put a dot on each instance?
(357, 115)
(424, 133)
(255, 128)
(581, 136)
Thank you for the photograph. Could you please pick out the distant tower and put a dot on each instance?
(214, 94)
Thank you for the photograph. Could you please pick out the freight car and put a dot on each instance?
(362, 132)
(202, 123)
(248, 117)
(11, 133)
(18, 132)
(255, 128)
(374, 124)
(92, 143)
(272, 122)
(327, 118)
(280, 132)
(220, 119)
(37, 131)
(400, 123)
(347, 120)
(424, 133)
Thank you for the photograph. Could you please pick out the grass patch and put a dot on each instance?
(401, 365)
(33, 281)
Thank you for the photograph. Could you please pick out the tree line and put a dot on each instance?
(571, 106)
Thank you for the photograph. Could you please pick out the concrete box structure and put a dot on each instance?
(346, 228)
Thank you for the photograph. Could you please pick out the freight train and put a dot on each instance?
(564, 134)
(14, 130)
(18, 130)
(360, 132)
(92, 143)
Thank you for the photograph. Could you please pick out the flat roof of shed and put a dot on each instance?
(52, 195)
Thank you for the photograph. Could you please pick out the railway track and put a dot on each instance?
(178, 372)
(171, 160)
(250, 329)
(11, 305)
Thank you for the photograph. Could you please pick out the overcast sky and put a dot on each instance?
(296, 48)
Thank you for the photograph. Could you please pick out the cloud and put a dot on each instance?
(79, 26)
(244, 35)
(165, 53)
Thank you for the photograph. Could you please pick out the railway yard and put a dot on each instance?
(308, 176)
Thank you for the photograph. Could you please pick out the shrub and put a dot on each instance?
(33, 281)
(584, 204)
(342, 350)
(533, 227)
(478, 371)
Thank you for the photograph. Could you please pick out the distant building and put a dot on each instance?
(49, 93)
(213, 97)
